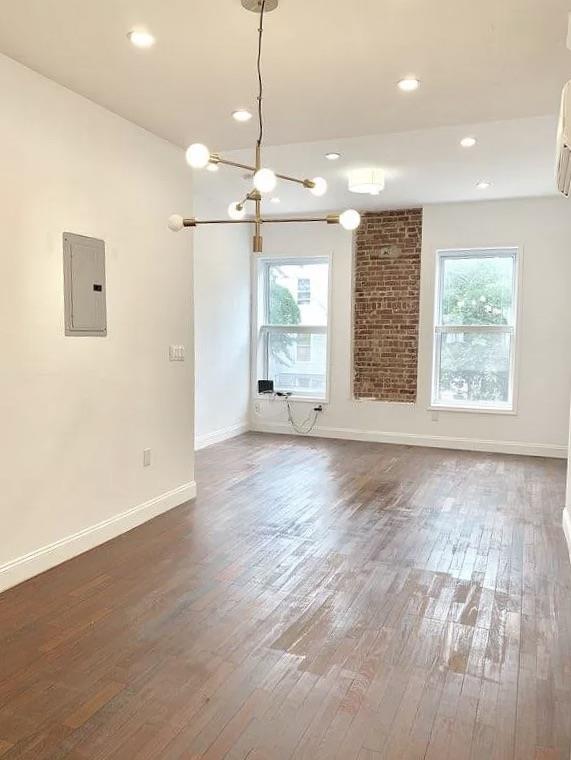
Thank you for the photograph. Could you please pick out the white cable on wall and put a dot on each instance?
(305, 427)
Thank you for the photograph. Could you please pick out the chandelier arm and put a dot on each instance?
(304, 182)
(225, 162)
(199, 222)
(330, 219)
(235, 164)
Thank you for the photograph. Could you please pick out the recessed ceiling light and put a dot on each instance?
(409, 84)
(333, 156)
(275, 200)
(468, 142)
(212, 167)
(241, 115)
(483, 184)
(141, 39)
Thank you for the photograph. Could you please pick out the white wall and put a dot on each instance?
(76, 413)
(542, 228)
(567, 509)
(222, 260)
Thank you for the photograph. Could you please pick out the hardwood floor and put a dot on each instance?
(321, 599)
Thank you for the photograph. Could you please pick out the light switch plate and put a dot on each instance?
(146, 457)
(176, 353)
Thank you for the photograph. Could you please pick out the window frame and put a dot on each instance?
(260, 328)
(439, 329)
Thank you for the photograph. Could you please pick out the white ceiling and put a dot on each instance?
(425, 166)
(330, 65)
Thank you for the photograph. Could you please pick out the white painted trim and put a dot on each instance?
(434, 441)
(257, 371)
(439, 329)
(42, 559)
(567, 528)
(202, 441)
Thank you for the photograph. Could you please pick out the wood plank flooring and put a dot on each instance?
(320, 599)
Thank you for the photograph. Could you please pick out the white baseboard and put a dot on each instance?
(436, 441)
(567, 527)
(46, 557)
(202, 441)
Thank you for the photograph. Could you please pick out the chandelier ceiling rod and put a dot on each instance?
(264, 179)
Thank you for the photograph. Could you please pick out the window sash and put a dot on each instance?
(262, 328)
(268, 264)
(320, 329)
(264, 352)
(491, 253)
(441, 329)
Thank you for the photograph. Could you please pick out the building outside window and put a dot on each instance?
(475, 329)
(303, 348)
(303, 291)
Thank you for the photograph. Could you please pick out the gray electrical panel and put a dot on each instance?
(84, 285)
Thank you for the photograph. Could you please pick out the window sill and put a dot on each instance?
(473, 409)
(294, 397)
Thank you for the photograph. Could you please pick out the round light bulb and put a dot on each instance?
(176, 222)
(236, 213)
(333, 156)
(468, 142)
(197, 156)
(483, 184)
(409, 84)
(141, 39)
(350, 219)
(320, 186)
(265, 180)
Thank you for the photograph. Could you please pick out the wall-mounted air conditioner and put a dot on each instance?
(564, 143)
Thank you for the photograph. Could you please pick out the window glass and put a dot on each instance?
(474, 368)
(474, 334)
(284, 306)
(288, 371)
(477, 290)
(292, 346)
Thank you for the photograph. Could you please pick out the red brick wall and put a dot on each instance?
(386, 305)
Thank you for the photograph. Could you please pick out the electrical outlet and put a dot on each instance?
(258, 408)
(146, 457)
(435, 415)
(176, 353)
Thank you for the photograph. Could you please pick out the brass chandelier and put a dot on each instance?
(198, 156)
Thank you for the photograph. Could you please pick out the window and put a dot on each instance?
(475, 329)
(303, 291)
(293, 296)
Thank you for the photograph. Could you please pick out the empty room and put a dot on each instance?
(285, 380)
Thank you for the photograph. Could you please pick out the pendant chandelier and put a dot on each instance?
(198, 156)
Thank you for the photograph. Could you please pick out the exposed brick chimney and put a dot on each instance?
(386, 305)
